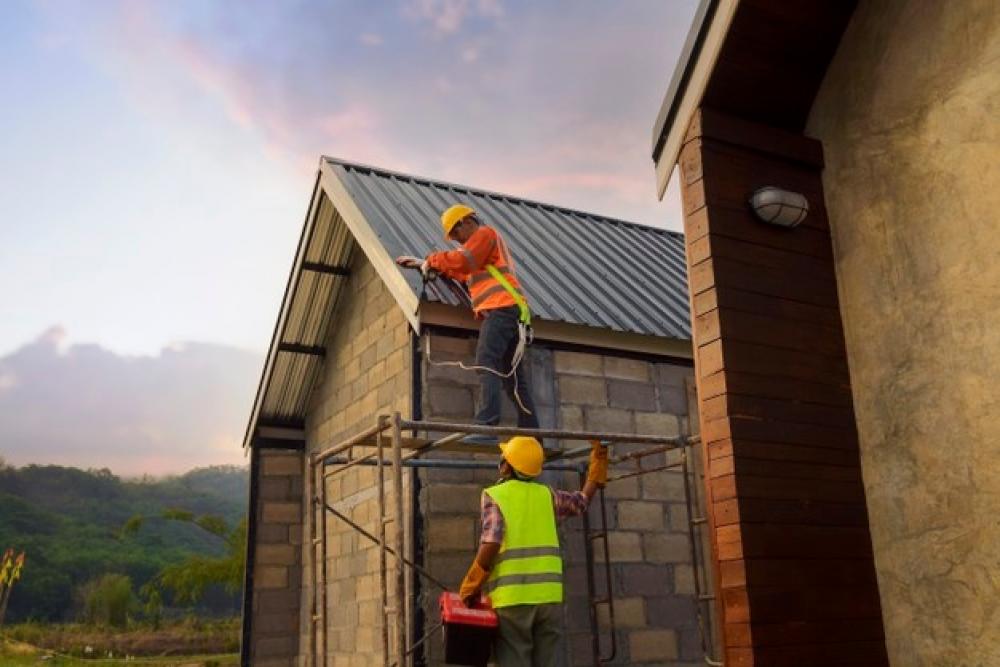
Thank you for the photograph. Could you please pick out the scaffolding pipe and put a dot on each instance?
(383, 587)
(458, 464)
(397, 480)
(559, 434)
(311, 565)
(322, 564)
(352, 441)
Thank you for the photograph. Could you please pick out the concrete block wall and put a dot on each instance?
(652, 576)
(367, 373)
(277, 574)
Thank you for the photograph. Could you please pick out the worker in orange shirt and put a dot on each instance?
(485, 265)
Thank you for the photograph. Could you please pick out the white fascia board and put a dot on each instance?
(693, 92)
(384, 265)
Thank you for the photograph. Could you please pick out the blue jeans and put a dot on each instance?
(496, 345)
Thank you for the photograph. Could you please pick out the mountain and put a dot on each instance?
(69, 522)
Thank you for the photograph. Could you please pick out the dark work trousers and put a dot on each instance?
(530, 636)
(497, 342)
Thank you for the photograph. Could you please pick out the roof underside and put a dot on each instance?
(575, 267)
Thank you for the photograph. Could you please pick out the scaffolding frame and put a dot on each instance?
(398, 643)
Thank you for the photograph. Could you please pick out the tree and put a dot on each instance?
(107, 600)
(188, 579)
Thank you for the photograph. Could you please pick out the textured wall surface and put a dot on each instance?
(650, 559)
(909, 115)
(277, 572)
(367, 373)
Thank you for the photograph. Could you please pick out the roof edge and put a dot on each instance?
(493, 193)
(687, 85)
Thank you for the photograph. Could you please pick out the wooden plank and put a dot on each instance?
(777, 451)
(823, 654)
(760, 138)
(793, 573)
(824, 632)
(795, 263)
(768, 330)
(731, 298)
(810, 435)
(790, 541)
(784, 488)
(814, 604)
(742, 225)
(732, 574)
(730, 465)
(781, 512)
(741, 405)
(764, 360)
(735, 605)
(723, 272)
(770, 386)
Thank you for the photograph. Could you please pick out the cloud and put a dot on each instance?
(370, 39)
(85, 406)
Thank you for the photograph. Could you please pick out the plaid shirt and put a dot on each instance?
(566, 504)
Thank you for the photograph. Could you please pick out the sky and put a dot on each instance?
(157, 159)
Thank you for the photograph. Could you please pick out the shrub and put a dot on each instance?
(107, 600)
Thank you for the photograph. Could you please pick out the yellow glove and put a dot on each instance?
(474, 580)
(597, 471)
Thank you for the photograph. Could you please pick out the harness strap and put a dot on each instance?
(522, 305)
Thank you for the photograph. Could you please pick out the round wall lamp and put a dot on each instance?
(779, 207)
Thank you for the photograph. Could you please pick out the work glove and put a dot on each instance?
(473, 582)
(597, 471)
(411, 262)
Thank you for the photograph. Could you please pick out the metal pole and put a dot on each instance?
(322, 566)
(311, 561)
(383, 588)
(542, 433)
(352, 441)
(397, 479)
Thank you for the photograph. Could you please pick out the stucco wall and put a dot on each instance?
(650, 553)
(366, 373)
(909, 115)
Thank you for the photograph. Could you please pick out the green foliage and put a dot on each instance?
(71, 523)
(107, 600)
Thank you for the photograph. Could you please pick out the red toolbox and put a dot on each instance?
(468, 632)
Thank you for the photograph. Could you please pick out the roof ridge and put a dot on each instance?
(458, 186)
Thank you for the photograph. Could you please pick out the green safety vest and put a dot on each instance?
(528, 568)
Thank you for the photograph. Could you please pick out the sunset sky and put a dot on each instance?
(158, 156)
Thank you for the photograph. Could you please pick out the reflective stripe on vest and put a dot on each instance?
(528, 568)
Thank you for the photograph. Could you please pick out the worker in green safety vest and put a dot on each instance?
(519, 565)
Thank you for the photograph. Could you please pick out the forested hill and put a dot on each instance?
(69, 522)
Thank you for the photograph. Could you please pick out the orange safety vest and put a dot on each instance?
(485, 247)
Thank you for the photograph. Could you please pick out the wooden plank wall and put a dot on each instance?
(795, 573)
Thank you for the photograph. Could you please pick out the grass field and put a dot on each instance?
(187, 644)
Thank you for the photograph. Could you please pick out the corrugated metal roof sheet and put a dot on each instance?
(575, 267)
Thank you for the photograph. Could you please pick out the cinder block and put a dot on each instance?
(274, 647)
(276, 600)
(672, 399)
(465, 346)
(665, 485)
(629, 613)
(270, 577)
(607, 420)
(626, 369)
(274, 512)
(649, 645)
(683, 579)
(276, 554)
(627, 488)
(657, 423)
(673, 375)
(454, 498)
(571, 418)
(674, 611)
(640, 515)
(631, 395)
(280, 464)
(645, 580)
(449, 401)
(666, 548)
(274, 624)
(272, 533)
(583, 390)
(678, 513)
(623, 547)
(577, 363)
(274, 488)
(451, 534)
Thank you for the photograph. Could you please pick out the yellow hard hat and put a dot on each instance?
(524, 454)
(452, 216)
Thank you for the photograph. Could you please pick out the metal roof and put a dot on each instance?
(575, 267)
